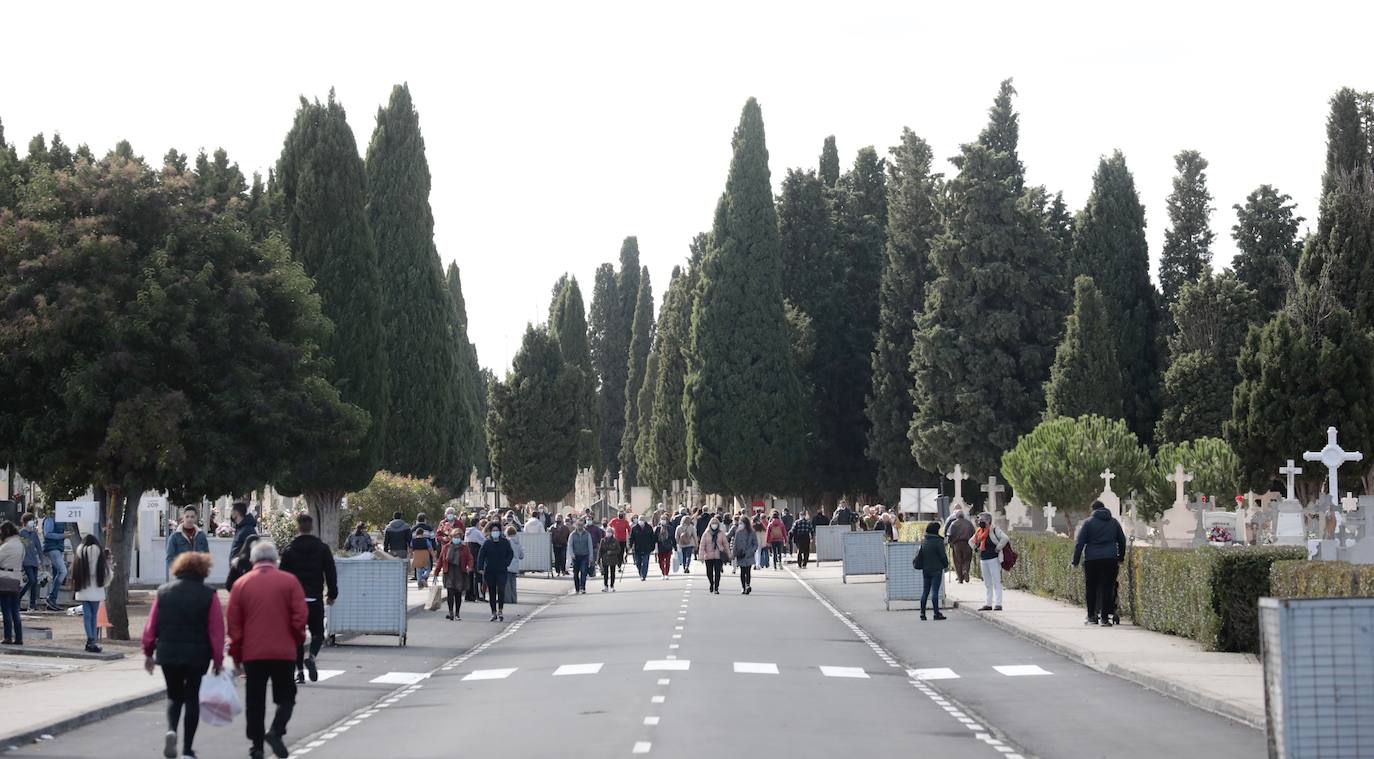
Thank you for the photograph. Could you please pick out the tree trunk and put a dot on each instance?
(323, 505)
(122, 523)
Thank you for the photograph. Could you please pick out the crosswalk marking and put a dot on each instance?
(325, 674)
(756, 668)
(399, 678)
(932, 673)
(1022, 670)
(658, 699)
(855, 672)
(577, 669)
(651, 721)
(642, 747)
(667, 665)
(489, 674)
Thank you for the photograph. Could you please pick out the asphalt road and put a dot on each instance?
(781, 671)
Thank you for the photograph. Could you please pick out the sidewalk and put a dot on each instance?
(1228, 684)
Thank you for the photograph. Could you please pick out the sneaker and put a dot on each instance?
(998, 607)
(255, 753)
(300, 676)
(612, 590)
(189, 755)
(1106, 622)
(923, 616)
(939, 616)
(310, 668)
(277, 744)
(93, 648)
(50, 606)
(169, 744)
(493, 618)
(1090, 621)
(985, 607)
(605, 589)
(500, 617)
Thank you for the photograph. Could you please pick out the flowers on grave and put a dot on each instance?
(224, 530)
(1219, 534)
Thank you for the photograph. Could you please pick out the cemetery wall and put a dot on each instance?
(1321, 579)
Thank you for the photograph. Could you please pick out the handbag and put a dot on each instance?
(9, 584)
(916, 562)
(1009, 557)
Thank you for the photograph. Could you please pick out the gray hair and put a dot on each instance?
(263, 550)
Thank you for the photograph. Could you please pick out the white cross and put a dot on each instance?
(1108, 477)
(1180, 479)
(992, 489)
(1349, 503)
(1291, 471)
(1050, 511)
(958, 475)
(1332, 456)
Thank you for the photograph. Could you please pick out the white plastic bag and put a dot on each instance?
(219, 699)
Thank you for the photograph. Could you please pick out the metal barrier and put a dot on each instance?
(1318, 676)
(863, 554)
(828, 542)
(372, 599)
(538, 548)
(905, 583)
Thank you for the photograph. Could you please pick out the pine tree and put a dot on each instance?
(1211, 320)
(1085, 378)
(912, 221)
(641, 342)
(982, 347)
(466, 436)
(422, 407)
(667, 428)
(602, 325)
(830, 162)
(1187, 253)
(1109, 246)
(568, 322)
(742, 396)
(532, 423)
(1266, 235)
(323, 187)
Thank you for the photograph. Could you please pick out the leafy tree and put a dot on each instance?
(741, 398)
(1187, 253)
(323, 187)
(912, 221)
(1308, 368)
(1266, 235)
(830, 162)
(608, 361)
(1214, 466)
(982, 347)
(568, 322)
(532, 424)
(389, 493)
(425, 378)
(153, 346)
(1061, 461)
(467, 444)
(1085, 378)
(1109, 246)
(641, 342)
(1211, 319)
(667, 429)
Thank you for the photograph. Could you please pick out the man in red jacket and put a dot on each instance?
(620, 527)
(267, 616)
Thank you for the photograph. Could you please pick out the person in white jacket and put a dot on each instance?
(535, 523)
(90, 577)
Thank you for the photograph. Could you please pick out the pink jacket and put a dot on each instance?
(777, 531)
(214, 628)
(713, 549)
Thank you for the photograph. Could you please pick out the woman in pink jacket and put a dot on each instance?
(713, 549)
(776, 537)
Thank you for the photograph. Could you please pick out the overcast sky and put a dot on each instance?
(555, 130)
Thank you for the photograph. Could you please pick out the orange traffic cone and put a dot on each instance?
(101, 618)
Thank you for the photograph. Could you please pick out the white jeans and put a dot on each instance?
(992, 580)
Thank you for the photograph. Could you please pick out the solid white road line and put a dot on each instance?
(577, 669)
(489, 674)
(399, 678)
(667, 665)
(755, 668)
(658, 699)
(651, 721)
(1022, 670)
(932, 673)
(642, 747)
(855, 672)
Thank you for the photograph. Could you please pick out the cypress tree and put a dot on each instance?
(485, 382)
(422, 408)
(641, 341)
(742, 397)
(1187, 253)
(323, 188)
(1109, 245)
(609, 363)
(1347, 136)
(980, 357)
(830, 162)
(1266, 235)
(467, 444)
(912, 221)
(568, 323)
(1085, 378)
(807, 237)
(667, 429)
(532, 422)
(1334, 255)
(644, 410)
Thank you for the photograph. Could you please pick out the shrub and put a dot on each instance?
(1214, 466)
(1059, 461)
(1320, 579)
(1044, 567)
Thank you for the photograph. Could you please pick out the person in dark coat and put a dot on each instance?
(932, 562)
(821, 519)
(396, 537)
(1102, 547)
(703, 521)
(245, 524)
(958, 530)
(493, 562)
(800, 534)
(184, 634)
(310, 560)
(843, 516)
(642, 543)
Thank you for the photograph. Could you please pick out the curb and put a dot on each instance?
(28, 736)
(1222, 707)
(62, 653)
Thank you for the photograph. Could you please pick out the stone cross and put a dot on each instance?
(1108, 477)
(1200, 506)
(1349, 503)
(1049, 511)
(1332, 456)
(1319, 509)
(958, 475)
(992, 489)
(1180, 479)
(1291, 471)
(1358, 520)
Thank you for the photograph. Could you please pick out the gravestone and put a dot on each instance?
(1176, 524)
(1108, 498)
(1332, 456)
(958, 476)
(1229, 521)
(1199, 506)
(1019, 515)
(993, 488)
(1049, 511)
(1289, 528)
(1261, 518)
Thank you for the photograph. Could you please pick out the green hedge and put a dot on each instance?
(1320, 579)
(1210, 594)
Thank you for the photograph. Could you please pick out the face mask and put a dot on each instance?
(495, 534)
(715, 525)
(663, 521)
(29, 525)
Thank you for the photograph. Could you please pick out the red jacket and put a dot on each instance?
(266, 615)
(621, 529)
(777, 531)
